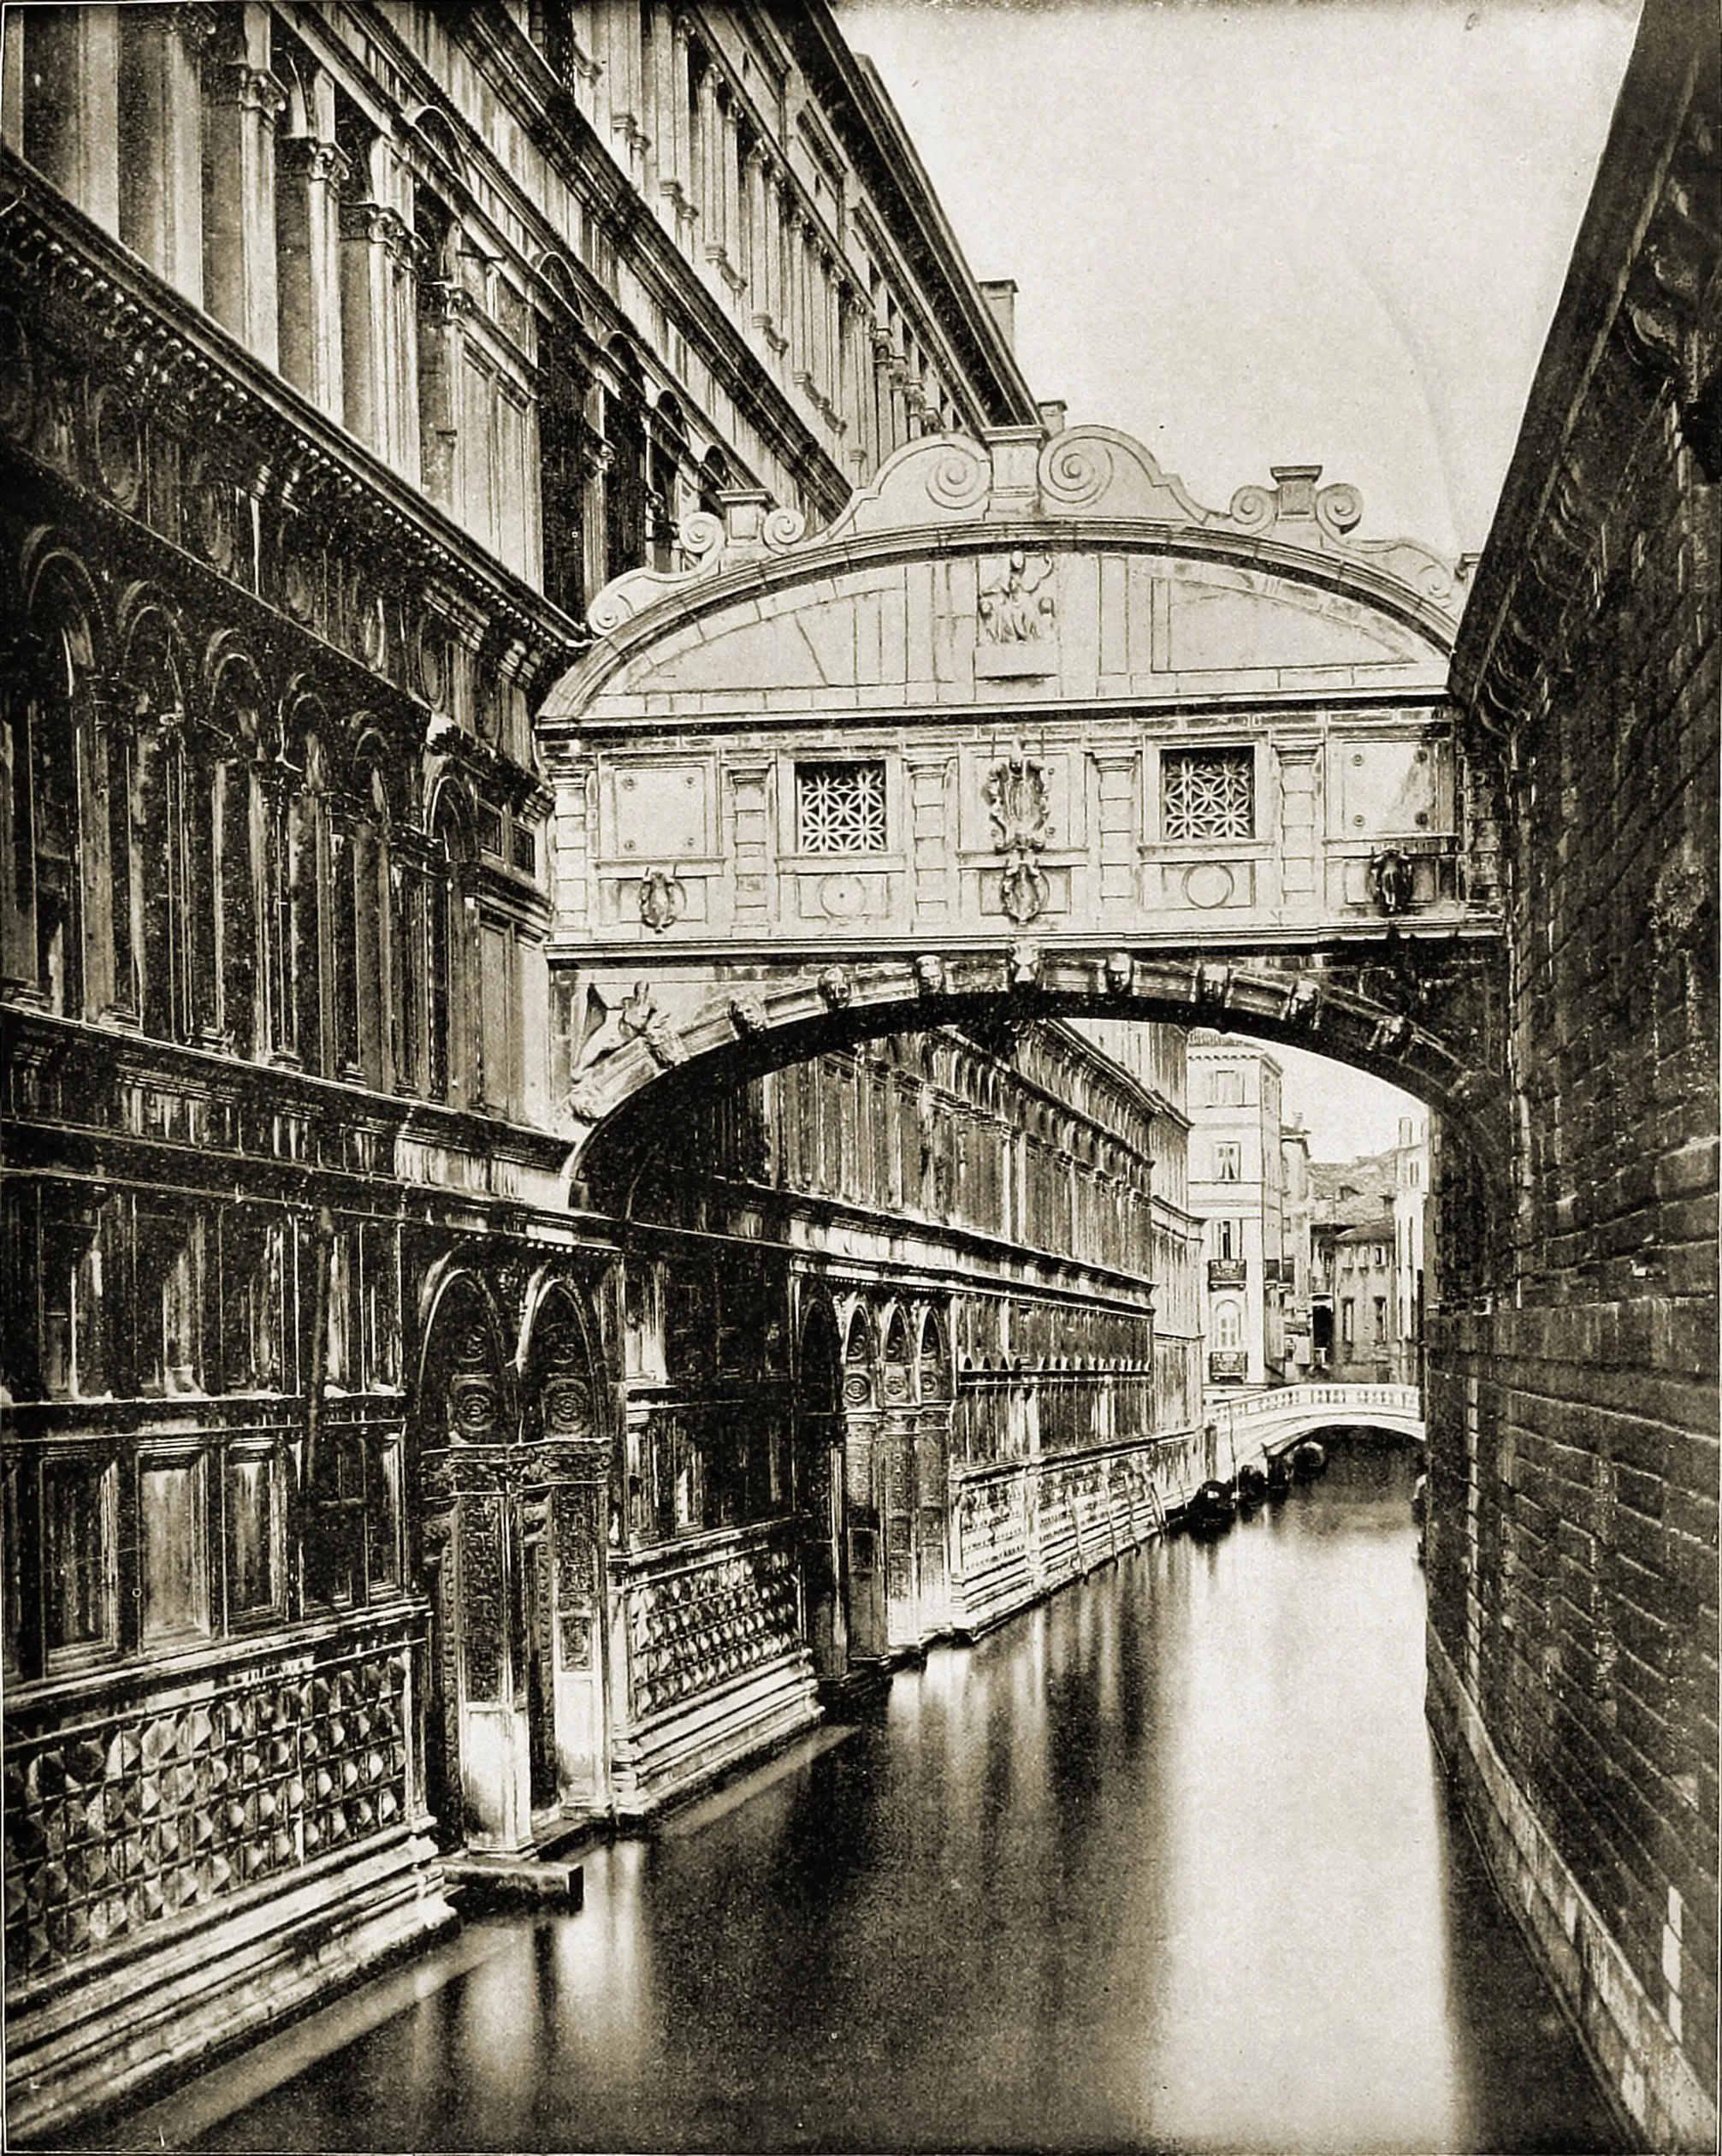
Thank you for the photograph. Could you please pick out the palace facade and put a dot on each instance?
(373, 1497)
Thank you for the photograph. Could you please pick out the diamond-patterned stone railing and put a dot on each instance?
(139, 1817)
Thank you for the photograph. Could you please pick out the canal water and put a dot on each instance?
(1166, 1864)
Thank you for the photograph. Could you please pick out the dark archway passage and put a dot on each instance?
(1165, 1863)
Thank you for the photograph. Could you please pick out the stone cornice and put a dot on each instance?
(176, 362)
(1643, 281)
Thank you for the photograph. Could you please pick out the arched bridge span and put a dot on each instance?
(1026, 732)
(1265, 1423)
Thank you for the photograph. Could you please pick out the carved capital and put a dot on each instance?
(252, 89)
(320, 165)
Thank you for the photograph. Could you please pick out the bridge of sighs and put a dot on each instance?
(1026, 730)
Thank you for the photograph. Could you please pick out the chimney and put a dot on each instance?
(1000, 295)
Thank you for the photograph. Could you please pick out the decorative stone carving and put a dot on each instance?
(1016, 800)
(143, 1816)
(1012, 609)
(663, 899)
(1304, 1005)
(1390, 880)
(748, 1014)
(929, 974)
(1079, 473)
(704, 1627)
(837, 987)
(637, 1017)
(1119, 972)
(1392, 1037)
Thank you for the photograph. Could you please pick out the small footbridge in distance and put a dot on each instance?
(1252, 1428)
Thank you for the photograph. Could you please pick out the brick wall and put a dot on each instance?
(1573, 1401)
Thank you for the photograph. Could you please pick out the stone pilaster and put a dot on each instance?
(243, 103)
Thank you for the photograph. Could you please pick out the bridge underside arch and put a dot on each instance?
(745, 1028)
(1026, 733)
(1348, 1422)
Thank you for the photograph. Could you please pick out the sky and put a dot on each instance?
(1263, 233)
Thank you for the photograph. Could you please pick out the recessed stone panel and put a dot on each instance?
(1387, 788)
(1201, 886)
(658, 812)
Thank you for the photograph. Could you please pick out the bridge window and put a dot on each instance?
(1208, 793)
(840, 808)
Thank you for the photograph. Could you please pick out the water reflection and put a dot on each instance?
(1164, 1865)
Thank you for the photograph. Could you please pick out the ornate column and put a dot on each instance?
(161, 156)
(660, 65)
(682, 184)
(441, 308)
(310, 174)
(375, 308)
(755, 208)
(243, 103)
(708, 181)
(69, 98)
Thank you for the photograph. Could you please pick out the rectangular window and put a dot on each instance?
(382, 1518)
(78, 1554)
(1225, 1089)
(173, 1531)
(253, 1589)
(1208, 793)
(1348, 1311)
(1228, 1163)
(1380, 1318)
(840, 808)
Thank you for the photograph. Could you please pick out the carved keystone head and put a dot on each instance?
(1121, 972)
(836, 986)
(1024, 965)
(929, 974)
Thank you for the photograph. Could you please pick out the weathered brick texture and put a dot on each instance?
(1573, 1393)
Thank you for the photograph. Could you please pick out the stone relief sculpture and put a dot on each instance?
(635, 1017)
(1009, 611)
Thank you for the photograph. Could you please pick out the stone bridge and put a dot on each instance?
(1252, 1428)
(1027, 731)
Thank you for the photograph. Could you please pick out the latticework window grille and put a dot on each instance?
(840, 808)
(1208, 793)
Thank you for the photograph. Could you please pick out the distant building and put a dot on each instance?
(1237, 1190)
(1366, 1263)
(1297, 1218)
